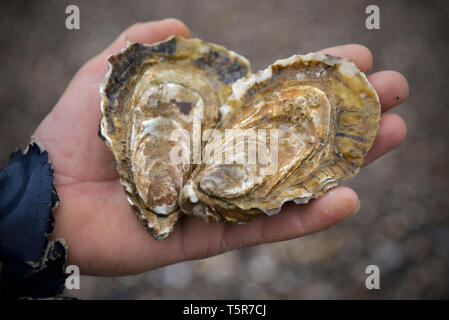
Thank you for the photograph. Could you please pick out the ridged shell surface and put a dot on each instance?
(313, 119)
(151, 94)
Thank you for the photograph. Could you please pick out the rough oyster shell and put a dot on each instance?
(151, 92)
(309, 120)
(326, 115)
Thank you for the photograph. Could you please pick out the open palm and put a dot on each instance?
(94, 217)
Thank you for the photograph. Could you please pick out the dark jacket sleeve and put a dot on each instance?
(30, 264)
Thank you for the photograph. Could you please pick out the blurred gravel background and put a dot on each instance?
(403, 224)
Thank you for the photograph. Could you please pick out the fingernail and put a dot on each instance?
(357, 208)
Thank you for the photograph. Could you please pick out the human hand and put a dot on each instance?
(94, 217)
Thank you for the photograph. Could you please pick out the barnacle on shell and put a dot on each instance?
(247, 143)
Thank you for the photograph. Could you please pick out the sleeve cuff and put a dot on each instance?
(31, 265)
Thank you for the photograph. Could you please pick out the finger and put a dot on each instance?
(391, 87)
(392, 132)
(294, 220)
(148, 32)
(357, 53)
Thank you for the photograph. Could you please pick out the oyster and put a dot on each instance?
(150, 93)
(325, 116)
(194, 132)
